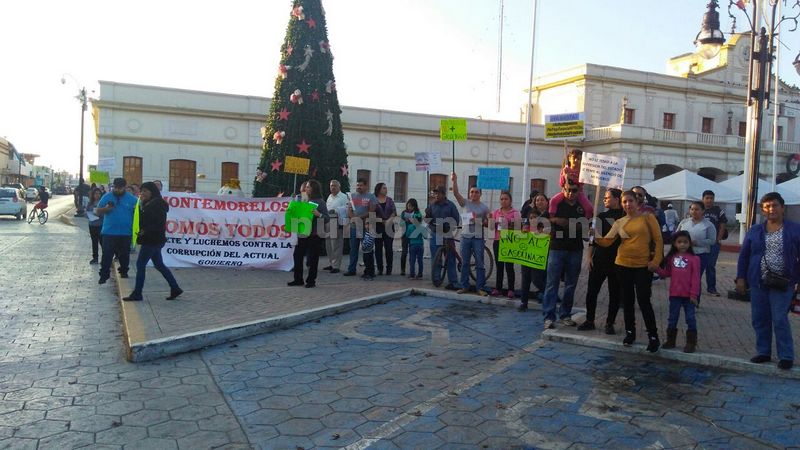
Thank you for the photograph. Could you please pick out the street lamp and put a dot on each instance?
(710, 38)
(82, 99)
(762, 43)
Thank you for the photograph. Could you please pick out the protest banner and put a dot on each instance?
(524, 248)
(221, 231)
(603, 170)
(494, 177)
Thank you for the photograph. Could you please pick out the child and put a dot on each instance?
(414, 234)
(570, 173)
(684, 267)
(534, 223)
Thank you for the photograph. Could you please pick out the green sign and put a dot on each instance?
(524, 248)
(299, 216)
(98, 177)
(453, 130)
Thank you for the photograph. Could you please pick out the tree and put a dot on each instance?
(304, 117)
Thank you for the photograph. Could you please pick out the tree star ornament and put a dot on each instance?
(296, 97)
(278, 137)
(276, 165)
(315, 96)
(344, 170)
(311, 23)
(283, 114)
(303, 147)
(289, 50)
(308, 52)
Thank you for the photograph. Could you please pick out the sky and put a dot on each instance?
(428, 56)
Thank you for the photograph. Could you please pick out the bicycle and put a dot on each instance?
(41, 216)
(439, 262)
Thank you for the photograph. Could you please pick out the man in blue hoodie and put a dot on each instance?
(116, 208)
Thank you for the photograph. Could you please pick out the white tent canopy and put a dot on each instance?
(790, 191)
(686, 185)
(791, 196)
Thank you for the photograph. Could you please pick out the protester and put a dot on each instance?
(717, 217)
(95, 223)
(472, 237)
(310, 245)
(542, 204)
(683, 267)
(769, 265)
(504, 218)
(116, 207)
(641, 248)
(361, 207)
(414, 235)
(386, 212)
(152, 237)
(535, 222)
(334, 240)
(566, 252)
(703, 235)
(569, 176)
(159, 185)
(525, 210)
(601, 266)
(672, 218)
(445, 219)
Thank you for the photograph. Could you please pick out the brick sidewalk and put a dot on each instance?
(218, 298)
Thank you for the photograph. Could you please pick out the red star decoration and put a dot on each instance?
(289, 50)
(344, 170)
(303, 147)
(284, 114)
(315, 96)
(276, 165)
(311, 23)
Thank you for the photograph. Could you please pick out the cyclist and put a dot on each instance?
(43, 198)
(445, 219)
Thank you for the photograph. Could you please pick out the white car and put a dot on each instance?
(12, 203)
(31, 193)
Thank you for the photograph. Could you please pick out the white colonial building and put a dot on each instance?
(691, 118)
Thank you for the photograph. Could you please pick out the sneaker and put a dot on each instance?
(311, 285)
(349, 274)
(568, 322)
(495, 293)
(522, 308)
(549, 325)
(630, 338)
(102, 280)
(785, 364)
(412, 277)
(653, 344)
(758, 359)
(174, 293)
(511, 294)
(610, 329)
(586, 326)
(462, 291)
(482, 293)
(93, 261)
(713, 293)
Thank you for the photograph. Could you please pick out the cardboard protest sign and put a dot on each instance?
(524, 248)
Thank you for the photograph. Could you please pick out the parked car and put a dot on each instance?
(12, 203)
(31, 193)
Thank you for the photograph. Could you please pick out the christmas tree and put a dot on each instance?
(304, 117)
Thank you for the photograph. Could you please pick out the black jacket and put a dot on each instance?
(153, 222)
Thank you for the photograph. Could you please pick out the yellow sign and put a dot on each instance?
(297, 166)
(564, 126)
(98, 177)
(524, 248)
(453, 130)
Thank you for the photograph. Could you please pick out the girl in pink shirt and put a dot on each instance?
(504, 218)
(683, 266)
(569, 175)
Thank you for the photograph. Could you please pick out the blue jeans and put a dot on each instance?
(369, 258)
(711, 268)
(472, 246)
(415, 256)
(450, 263)
(558, 261)
(153, 252)
(703, 266)
(675, 305)
(770, 312)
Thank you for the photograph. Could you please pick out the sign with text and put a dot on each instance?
(106, 164)
(453, 130)
(98, 177)
(494, 177)
(524, 248)
(428, 161)
(297, 166)
(298, 217)
(603, 170)
(221, 231)
(564, 126)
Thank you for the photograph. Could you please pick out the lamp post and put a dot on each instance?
(762, 42)
(82, 99)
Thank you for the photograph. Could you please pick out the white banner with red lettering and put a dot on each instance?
(221, 231)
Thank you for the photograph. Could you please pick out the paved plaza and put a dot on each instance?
(419, 371)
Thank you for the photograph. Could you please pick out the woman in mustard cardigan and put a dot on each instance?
(641, 250)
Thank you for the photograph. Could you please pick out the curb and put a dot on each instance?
(702, 359)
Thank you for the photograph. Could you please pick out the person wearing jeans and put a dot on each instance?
(444, 220)
(361, 211)
(473, 221)
(717, 217)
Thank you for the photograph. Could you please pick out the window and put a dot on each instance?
(132, 169)
(538, 185)
(780, 133)
(511, 186)
(669, 121)
(400, 186)
(472, 181)
(182, 175)
(365, 174)
(708, 125)
(630, 115)
(230, 170)
(742, 129)
(437, 179)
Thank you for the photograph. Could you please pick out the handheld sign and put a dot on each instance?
(422, 161)
(98, 177)
(299, 216)
(564, 126)
(453, 130)
(494, 178)
(524, 248)
(107, 164)
(435, 161)
(603, 170)
(297, 166)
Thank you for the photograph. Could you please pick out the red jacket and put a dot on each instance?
(685, 273)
